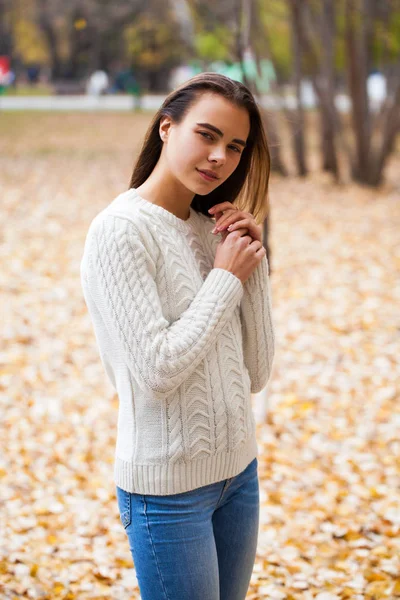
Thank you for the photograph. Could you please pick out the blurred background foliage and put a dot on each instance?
(74, 38)
(336, 56)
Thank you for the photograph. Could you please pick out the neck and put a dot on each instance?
(163, 189)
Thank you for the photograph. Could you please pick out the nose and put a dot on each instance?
(217, 155)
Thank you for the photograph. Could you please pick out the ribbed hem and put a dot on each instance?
(175, 478)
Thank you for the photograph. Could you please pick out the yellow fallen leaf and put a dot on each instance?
(396, 588)
(378, 589)
(51, 539)
(375, 576)
(58, 588)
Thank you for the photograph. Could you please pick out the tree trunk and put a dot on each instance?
(357, 81)
(95, 49)
(49, 33)
(274, 143)
(6, 37)
(270, 122)
(298, 122)
(242, 35)
(328, 144)
(74, 46)
(390, 130)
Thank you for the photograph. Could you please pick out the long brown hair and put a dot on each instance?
(247, 186)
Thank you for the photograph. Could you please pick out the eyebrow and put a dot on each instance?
(219, 132)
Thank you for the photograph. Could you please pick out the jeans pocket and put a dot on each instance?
(124, 506)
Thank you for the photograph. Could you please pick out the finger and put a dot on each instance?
(233, 222)
(253, 228)
(217, 216)
(226, 220)
(220, 207)
(242, 231)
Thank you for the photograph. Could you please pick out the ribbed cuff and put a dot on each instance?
(225, 285)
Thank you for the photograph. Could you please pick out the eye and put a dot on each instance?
(236, 149)
(206, 135)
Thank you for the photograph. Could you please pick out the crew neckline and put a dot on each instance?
(151, 208)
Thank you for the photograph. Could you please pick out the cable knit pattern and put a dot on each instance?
(183, 343)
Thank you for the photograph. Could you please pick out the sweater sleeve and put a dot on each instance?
(258, 327)
(159, 354)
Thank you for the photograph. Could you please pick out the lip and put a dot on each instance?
(208, 175)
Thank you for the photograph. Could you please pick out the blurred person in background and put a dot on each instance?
(97, 83)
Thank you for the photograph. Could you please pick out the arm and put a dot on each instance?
(258, 327)
(159, 354)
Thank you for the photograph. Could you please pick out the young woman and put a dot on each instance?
(175, 278)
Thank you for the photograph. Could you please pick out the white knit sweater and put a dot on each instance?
(183, 343)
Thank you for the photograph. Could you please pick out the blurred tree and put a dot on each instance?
(45, 15)
(184, 17)
(214, 45)
(6, 28)
(105, 26)
(153, 47)
(81, 36)
(29, 46)
(274, 16)
(327, 79)
(360, 24)
(371, 151)
(298, 123)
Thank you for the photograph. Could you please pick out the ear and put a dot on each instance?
(165, 125)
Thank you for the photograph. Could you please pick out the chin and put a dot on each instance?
(204, 190)
(199, 190)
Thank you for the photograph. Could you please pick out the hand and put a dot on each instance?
(226, 214)
(239, 254)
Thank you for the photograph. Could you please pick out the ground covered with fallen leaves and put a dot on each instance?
(328, 424)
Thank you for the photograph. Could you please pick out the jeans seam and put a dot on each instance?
(226, 485)
(153, 549)
(128, 509)
(125, 508)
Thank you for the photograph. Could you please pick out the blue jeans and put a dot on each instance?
(196, 545)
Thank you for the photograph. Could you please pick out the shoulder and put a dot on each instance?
(123, 216)
(121, 233)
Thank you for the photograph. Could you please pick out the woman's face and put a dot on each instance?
(204, 149)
